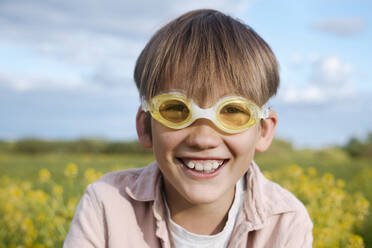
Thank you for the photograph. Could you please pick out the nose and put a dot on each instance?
(203, 135)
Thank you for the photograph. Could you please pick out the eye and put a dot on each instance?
(175, 107)
(235, 115)
(174, 111)
(231, 110)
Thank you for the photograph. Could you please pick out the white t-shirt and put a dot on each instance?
(185, 239)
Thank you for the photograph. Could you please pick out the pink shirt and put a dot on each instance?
(125, 209)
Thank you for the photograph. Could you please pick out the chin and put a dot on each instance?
(204, 195)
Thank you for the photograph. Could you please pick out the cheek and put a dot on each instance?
(243, 144)
(165, 140)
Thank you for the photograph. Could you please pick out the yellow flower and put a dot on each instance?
(9, 208)
(57, 190)
(71, 170)
(39, 246)
(26, 185)
(340, 183)
(328, 179)
(267, 174)
(38, 196)
(312, 171)
(44, 175)
(41, 218)
(355, 241)
(27, 224)
(91, 175)
(295, 170)
(28, 240)
(15, 192)
(70, 207)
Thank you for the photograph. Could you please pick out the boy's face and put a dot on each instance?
(203, 145)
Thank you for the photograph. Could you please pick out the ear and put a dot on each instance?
(267, 132)
(144, 136)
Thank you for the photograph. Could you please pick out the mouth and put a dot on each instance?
(203, 166)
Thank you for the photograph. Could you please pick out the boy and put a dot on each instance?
(204, 79)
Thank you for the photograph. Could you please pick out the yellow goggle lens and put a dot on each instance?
(234, 115)
(174, 111)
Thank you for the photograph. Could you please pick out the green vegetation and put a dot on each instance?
(101, 146)
(40, 176)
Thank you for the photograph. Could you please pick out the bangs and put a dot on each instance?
(207, 55)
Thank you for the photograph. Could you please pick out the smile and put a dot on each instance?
(203, 165)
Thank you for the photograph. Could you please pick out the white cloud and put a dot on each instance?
(330, 79)
(330, 71)
(324, 124)
(341, 26)
(28, 82)
(307, 94)
(71, 28)
(102, 39)
(67, 114)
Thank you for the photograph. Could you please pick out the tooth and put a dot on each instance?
(191, 165)
(198, 167)
(215, 165)
(208, 166)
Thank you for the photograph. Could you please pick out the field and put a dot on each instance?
(39, 191)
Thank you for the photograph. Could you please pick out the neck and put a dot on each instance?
(204, 219)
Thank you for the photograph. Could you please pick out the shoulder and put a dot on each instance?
(287, 215)
(107, 212)
(290, 216)
(274, 198)
(270, 203)
(287, 211)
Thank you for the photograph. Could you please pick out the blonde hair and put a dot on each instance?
(204, 50)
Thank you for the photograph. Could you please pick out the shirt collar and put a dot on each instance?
(147, 185)
(262, 200)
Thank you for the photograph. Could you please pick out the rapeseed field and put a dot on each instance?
(39, 193)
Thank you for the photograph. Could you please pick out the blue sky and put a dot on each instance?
(66, 66)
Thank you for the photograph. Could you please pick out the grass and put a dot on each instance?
(23, 166)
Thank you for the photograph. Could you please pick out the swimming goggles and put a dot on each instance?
(232, 114)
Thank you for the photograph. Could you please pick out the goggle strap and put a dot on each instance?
(144, 104)
(265, 111)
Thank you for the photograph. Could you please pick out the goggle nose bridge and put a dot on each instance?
(203, 113)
